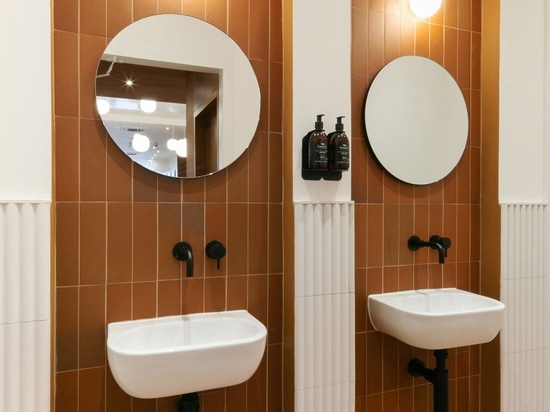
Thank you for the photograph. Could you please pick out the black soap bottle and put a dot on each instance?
(315, 147)
(338, 148)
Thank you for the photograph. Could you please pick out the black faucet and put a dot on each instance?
(439, 243)
(183, 251)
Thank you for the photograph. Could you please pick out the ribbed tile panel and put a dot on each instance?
(524, 290)
(24, 307)
(324, 308)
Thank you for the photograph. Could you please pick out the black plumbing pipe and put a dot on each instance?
(189, 402)
(439, 377)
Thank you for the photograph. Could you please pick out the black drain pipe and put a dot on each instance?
(439, 376)
(189, 403)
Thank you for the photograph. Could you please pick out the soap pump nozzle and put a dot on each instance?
(339, 125)
(319, 122)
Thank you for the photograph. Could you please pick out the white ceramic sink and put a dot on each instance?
(173, 355)
(436, 318)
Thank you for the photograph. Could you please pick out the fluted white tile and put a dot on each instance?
(12, 256)
(12, 371)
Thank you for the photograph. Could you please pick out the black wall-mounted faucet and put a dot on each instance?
(439, 243)
(183, 251)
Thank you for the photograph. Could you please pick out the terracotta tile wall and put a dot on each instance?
(116, 223)
(388, 211)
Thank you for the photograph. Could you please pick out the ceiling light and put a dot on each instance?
(172, 144)
(181, 148)
(140, 143)
(148, 106)
(103, 106)
(425, 8)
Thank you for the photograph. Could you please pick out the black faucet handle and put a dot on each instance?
(215, 250)
(445, 242)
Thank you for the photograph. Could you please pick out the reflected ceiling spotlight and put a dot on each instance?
(172, 144)
(181, 148)
(425, 8)
(140, 143)
(148, 106)
(103, 106)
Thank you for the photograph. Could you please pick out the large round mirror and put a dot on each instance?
(416, 120)
(177, 95)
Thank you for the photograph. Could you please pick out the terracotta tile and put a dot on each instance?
(406, 229)
(391, 279)
(436, 43)
(275, 239)
(275, 314)
(214, 400)
(145, 184)
(193, 190)
(390, 400)
(144, 405)
(375, 233)
(450, 278)
(234, 398)
(65, 71)
(169, 189)
(144, 8)
(406, 278)
(91, 327)
(276, 31)
(238, 18)
(375, 42)
(65, 15)
(375, 181)
(259, 169)
(391, 231)
(475, 119)
(93, 237)
(92, 17)
(216, 187)
(169, 227)
(216, 13)
(216, 221)
(257, 388)
(91, 49)
(359, 190)
(119, 302)
(195, 8)
(450, 60)
(259, 29)
(359, 41)
(376, 5)
(116, 398)
(119, 174)
(144, 300)
(66, 250)
(275, 378)
(406, 400)
(237, 297)
(66, 391)
(392, 37)
(463, 232)
(374, 402)
(169, 6)
(169, 297)
(119, 15)
(193, 232)
(464, 14)
(421, 277)
(374, 363)
(66, 158)
(476, 16)
(439, 17)
(261, 69)
(391, 191)
(237, 180)
(119, 242)
(167, 404)
(451, 12)
(422, 47)
(91, 389)
(237, 239)
(435, 276)
(275, 98)
(215, 294)
(407, 37)
(258, 238)
(360, 365)
(66, 333)
(275, 178)
(192, 295)
(464, 50)
(144, 241)
(92, 161)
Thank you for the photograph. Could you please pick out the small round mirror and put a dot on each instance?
(177, 95)
(416, 120)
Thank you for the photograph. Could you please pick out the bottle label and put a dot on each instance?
(318, 155)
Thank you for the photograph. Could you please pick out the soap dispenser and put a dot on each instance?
(315, 147)
(338, 147)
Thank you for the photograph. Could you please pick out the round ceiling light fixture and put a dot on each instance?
(425, 8)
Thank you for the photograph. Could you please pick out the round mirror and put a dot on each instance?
(416, 120)
(177, 95)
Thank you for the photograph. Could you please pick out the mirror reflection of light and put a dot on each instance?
(181, 148)
(129, 82)
(148, 106)
(140, 143)
(425, 8)
(103, 106)
(172, 144)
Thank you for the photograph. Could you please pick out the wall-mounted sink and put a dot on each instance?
(436, 318)
(173, 355)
